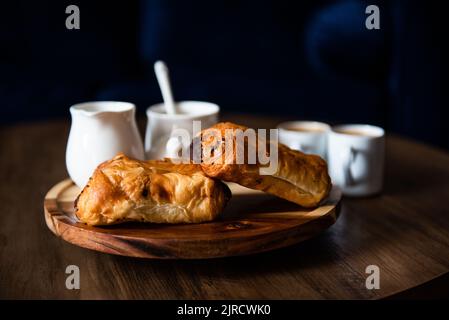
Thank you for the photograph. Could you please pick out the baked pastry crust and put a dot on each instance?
(300, 178)
(159, 191)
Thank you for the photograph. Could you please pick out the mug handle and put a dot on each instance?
(348, 159)
(298, 146)
(173, 147)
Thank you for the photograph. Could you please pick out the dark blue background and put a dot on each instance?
(303, 59)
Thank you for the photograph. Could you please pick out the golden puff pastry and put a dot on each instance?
(299, 177)
(159, 191)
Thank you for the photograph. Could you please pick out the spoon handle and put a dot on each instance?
(163, 79)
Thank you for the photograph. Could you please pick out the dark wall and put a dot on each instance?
(307, 60)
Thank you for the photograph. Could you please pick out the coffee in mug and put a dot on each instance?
(355, 132)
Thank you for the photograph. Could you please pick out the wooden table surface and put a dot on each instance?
(405, 232)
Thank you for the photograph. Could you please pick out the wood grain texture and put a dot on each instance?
(404, 231)
(253, 222)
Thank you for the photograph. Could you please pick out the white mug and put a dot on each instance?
(305, 136)
(356, 158)
(99, 131)
(161, 126)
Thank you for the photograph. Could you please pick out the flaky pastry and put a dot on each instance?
(300, 178)
(123, 189)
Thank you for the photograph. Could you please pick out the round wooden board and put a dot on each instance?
(252, 222)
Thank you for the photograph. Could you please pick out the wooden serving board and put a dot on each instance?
(252, 222)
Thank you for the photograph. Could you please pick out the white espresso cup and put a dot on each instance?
(162, 126)
(356, 158)
(305, 136)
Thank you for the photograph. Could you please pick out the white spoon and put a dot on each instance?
(163, 79)
(173, 146)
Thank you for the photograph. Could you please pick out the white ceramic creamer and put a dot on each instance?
(99, 131)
